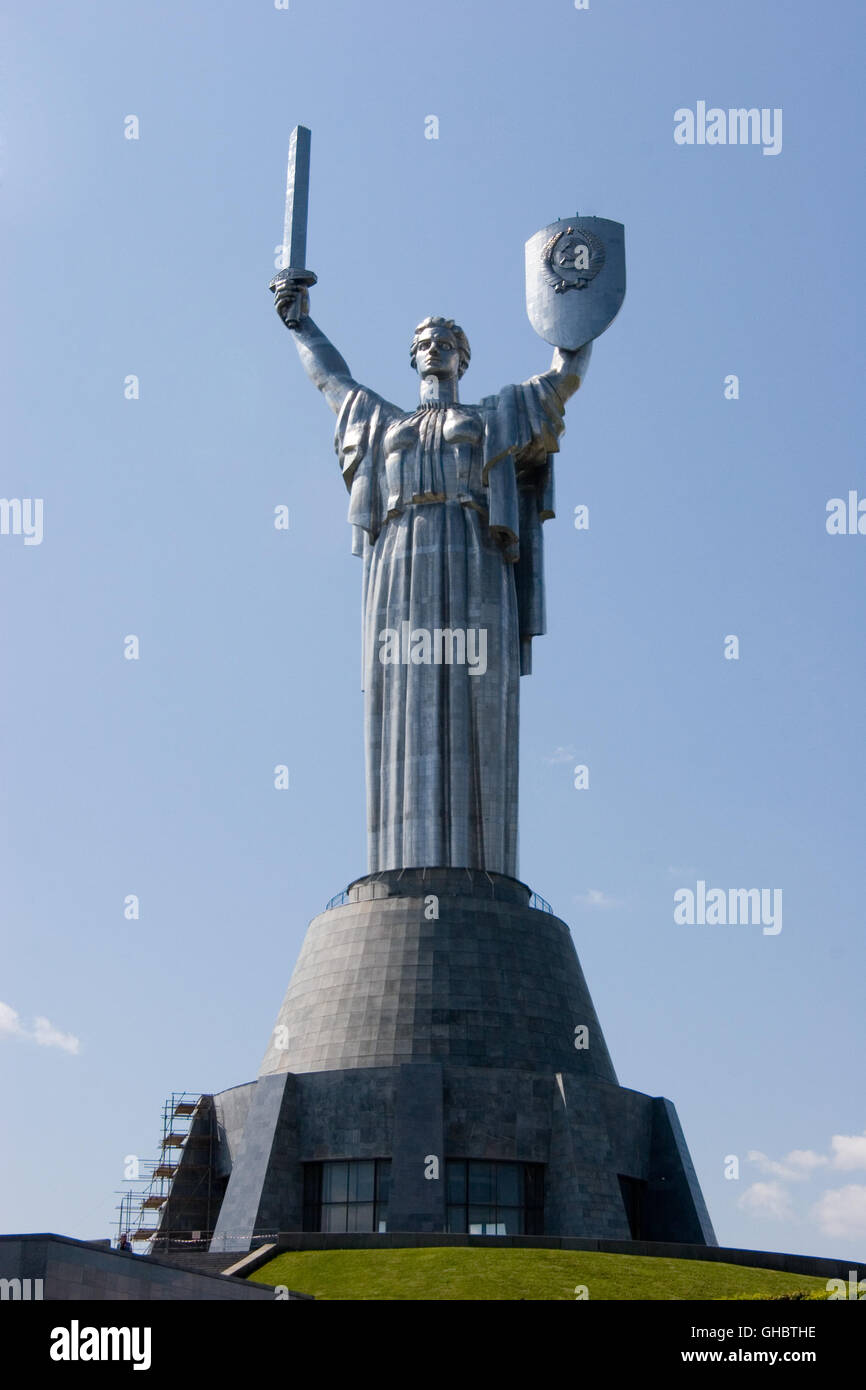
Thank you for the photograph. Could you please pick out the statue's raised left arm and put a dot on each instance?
(567, 370)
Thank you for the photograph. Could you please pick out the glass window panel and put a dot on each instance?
(312, 1184)
(361, 1181)
(511, 1219)
(383, 1179)
(508, 1185)
(457, 1220)
(382, 1225)
(360, 1216)
(455, 1179)
(335, 1182)
(482, 1182)
(334, 1218)
(479, 1217)
(534, 1184)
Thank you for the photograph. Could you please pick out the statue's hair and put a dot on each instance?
(436, 321)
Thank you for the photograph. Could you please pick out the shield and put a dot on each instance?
(575, 279)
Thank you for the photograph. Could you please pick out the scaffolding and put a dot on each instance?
(170, 1201)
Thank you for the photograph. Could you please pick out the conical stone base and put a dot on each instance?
(451, 965)
(434, 1015)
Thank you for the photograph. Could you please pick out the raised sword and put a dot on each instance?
(293, 271)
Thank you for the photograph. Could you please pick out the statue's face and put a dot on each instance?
(437, 353)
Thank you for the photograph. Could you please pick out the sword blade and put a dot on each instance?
(297, 200)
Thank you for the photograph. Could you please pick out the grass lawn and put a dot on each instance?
(454, 1273)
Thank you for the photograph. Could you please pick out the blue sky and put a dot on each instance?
(707, 518)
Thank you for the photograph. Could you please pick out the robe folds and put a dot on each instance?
(446, 506)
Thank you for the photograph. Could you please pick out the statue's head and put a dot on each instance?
(439, 348)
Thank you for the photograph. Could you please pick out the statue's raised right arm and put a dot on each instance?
(323, 364)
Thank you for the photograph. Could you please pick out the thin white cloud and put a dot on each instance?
(46, 1035)
(841, 1211)
(795, 1167)
(43, 1032)
(10, 1024)
(806, 1160)
(849, 1150)
(768, 1201)
(561, 755)
(595, 897)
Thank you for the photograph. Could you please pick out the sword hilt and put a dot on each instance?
(294, 279)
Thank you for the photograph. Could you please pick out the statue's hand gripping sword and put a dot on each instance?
(293, 274)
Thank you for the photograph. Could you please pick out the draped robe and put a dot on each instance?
(446, 506)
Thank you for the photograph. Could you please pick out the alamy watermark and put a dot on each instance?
(735, 126)
(856, 1288)
(22, 516)
(736, 906)
(846, 518)
(77, 1343)
(449, 646)
(22, 1290)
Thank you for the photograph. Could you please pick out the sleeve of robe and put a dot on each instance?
(522, 428)
(361, 425)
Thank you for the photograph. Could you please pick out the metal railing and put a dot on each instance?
(536, 900)
(539, 903)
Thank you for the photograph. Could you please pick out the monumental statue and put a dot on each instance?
(437, 1065)
(446, 504)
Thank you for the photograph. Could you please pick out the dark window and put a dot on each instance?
(633, 1196)
(348, 1195)
(494, 1199)
(312, 1196)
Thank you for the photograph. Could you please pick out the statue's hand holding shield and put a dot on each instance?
(575, 279)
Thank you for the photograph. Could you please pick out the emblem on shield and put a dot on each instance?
(575, 279)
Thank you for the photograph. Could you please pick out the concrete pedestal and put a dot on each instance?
(432, 1015)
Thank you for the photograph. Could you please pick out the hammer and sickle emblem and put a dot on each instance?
(571, 259)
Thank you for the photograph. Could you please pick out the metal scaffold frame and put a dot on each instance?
(149, 1193)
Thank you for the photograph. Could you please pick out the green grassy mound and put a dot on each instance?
(459, 1273)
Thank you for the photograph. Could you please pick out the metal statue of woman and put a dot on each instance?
(446, 503)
